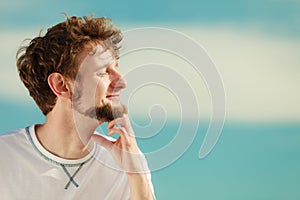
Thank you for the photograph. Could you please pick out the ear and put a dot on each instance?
(59, 85)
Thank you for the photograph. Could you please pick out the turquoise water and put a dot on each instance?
(250, 161)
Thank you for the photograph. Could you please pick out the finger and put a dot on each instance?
(111, 124)
(120, 131)
(122, 122)
(127, 125)
(102, 141)
(124, 139)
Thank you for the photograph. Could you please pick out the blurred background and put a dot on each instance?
(255, 46)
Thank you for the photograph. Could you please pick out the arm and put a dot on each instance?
(129, 157)
(139, 186)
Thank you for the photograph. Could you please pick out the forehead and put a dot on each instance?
(98, 57)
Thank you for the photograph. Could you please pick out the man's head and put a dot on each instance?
(98, 85)
(60, 53)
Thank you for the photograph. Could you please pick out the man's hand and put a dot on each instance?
(124, 150)
(128, 156)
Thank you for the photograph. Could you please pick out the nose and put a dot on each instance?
(117, 81)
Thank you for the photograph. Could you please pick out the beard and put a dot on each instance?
(107, 112)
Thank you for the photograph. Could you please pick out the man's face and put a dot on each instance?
(98, 85)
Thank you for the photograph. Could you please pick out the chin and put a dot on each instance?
(109, 112)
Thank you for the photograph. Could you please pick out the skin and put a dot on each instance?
(68, 132)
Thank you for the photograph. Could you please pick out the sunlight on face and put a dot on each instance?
(97, 80)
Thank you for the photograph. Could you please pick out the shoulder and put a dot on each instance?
(104, 157)
(101, 151)
(13, 135)
(13, 146)
(12, 141)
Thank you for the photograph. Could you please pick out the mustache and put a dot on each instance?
(106, 112)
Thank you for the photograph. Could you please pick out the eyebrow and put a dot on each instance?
(114, 64)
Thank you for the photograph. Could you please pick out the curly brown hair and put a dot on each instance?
(58, 51)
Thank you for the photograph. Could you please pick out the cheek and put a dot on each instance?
(102, 88)
(89, 87)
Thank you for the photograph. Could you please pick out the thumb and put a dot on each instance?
(102, 141)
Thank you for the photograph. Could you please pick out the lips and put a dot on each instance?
(113, 96)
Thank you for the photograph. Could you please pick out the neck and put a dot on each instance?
(65, 137)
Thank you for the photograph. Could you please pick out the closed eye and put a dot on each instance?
(102, 74)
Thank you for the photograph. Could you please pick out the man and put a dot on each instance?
(72, 74)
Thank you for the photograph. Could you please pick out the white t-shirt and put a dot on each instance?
(29, 171)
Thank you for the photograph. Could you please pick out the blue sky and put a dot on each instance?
(276, 15)
(255, 45)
